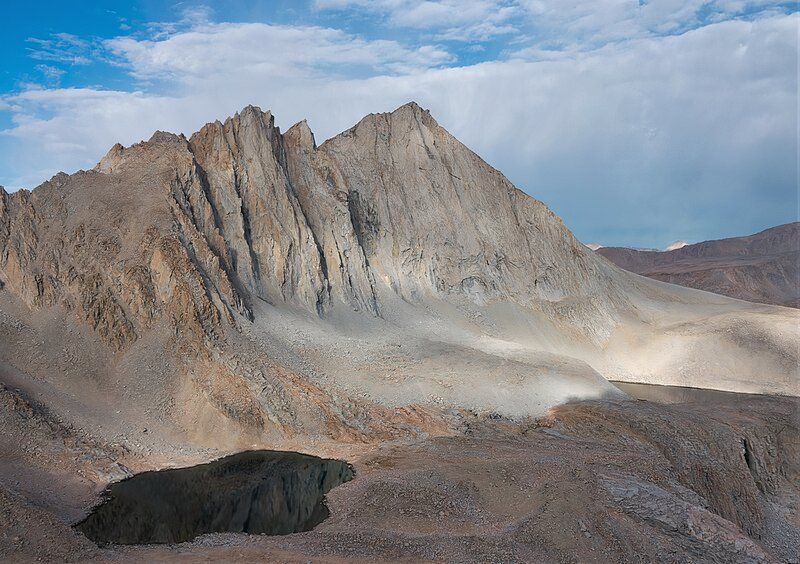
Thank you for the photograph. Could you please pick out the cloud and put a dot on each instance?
(642, 141)
(267, 50)
(461, 20)
(52, 75)
(584, 25)
(197, 15)
(554, 24)
(61, 48)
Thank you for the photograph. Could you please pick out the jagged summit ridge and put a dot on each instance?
(257, 117)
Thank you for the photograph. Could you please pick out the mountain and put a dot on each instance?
(676, 245)
(763, 268)
(246, 283)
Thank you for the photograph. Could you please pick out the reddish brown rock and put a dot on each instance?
(764, 267)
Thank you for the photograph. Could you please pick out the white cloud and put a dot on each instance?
(52, 75)
(61, 48)
(639, 142)
(267, 50)
(462, 20)
(589, 24)
(553, 24)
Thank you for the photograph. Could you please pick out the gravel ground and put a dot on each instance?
(604, 481)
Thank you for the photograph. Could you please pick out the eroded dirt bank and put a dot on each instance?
(608, 481)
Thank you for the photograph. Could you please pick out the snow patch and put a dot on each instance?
(676, 245)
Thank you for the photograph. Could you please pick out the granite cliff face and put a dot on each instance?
(250, 282)
(764, 267)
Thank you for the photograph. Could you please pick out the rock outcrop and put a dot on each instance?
(245, 281)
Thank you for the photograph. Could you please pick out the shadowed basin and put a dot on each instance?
(256, 492)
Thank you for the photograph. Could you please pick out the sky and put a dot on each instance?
(639, 122)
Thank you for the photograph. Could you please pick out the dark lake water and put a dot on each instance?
(257, 492)
(676, 394)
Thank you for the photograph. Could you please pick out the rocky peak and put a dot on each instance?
(111, 160)
(411, 110)
(161, 146)
(252, 128)
(412, 115)
(408, 116)
(167, 138)
(253, 112)
(252, 118)
(300, 134)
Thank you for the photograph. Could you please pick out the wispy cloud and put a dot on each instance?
(462, 20)
(541, 25)
(590, 24)
(52, 75)
(61, 48)
(267, 50)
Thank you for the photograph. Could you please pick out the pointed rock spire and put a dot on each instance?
(301, 135)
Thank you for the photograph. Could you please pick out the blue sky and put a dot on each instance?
(638, 122)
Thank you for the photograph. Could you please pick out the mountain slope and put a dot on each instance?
(764, 267)
(246, 283)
